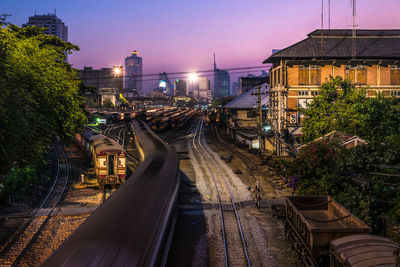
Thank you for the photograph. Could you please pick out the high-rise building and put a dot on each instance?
(165, 84)
(180, 88)
(107, 81)
(133, 73)
(54, 26)
(202, 94)
(222, 82)
(235, 88)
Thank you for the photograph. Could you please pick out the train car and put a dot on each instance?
(109, 157)
(362, 251)
(313, 222)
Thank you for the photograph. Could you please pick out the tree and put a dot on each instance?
(39, 97)
(341, 106)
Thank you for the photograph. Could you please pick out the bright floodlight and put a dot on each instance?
(193, 76)
(117, 71)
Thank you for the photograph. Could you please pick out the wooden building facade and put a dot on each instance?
(369, 60)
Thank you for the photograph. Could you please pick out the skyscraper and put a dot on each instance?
(235, 88)
(222, 82)
(180, 88)
(54, 26)
(203, 90)
(133, 73)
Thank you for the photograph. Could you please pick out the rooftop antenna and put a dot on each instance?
(322, 23)
(354, 47)
(329, 14)
(215, 64)
(55, 11)
(35, 12)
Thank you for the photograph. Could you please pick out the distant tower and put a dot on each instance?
(133, 73)
(54, 26)
(222, 82)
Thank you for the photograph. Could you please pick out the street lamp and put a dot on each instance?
(193, 76)
(117, 71)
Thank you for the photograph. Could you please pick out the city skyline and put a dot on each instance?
(160, 36)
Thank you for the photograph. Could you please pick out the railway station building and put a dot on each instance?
(369, 59)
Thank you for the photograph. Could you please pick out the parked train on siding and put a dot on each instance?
(324, 233)
(108, 157)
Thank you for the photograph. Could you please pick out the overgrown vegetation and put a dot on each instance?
(39, 101)
(343, 107)
(363, 178)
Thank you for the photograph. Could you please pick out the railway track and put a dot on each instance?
(233, 237)
(253, 169)
(13, 252)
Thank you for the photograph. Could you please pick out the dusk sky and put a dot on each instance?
(182, 35)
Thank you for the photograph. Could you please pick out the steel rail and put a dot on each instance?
(231, 198)
(198, 130)
(248, 163)
(39, 214)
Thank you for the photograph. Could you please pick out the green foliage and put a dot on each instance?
(341, 106)
(39, 97)
(325, 168)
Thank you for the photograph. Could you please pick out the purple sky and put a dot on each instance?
(182, 35)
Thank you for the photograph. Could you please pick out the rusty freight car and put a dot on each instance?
(312, 222)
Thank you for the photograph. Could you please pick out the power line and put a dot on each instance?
(170, 74)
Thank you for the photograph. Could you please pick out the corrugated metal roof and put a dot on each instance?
(249, 99)
(337, 44)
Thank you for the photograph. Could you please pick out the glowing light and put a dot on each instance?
(117, 71)
(193, 76)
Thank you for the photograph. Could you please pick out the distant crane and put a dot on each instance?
(3, 18)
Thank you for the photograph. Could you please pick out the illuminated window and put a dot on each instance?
(395, 75)
(102, 162)
(121, 162)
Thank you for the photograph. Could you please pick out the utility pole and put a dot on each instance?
(260, 126)
(329, 14)
(354, 44)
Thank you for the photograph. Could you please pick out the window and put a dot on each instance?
(314, 93)
(302, 102)
(315, 75)
(395, 93)
(303, 75)
(395, 75)
(356, 74)
(251, 114)
(303, 93)
(309, 75)
(121, 162)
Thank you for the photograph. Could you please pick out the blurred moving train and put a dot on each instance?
(108, 157)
